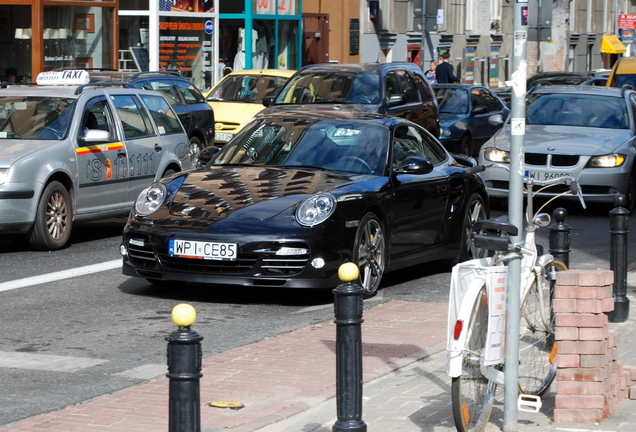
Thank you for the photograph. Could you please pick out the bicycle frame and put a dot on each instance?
(469, 278)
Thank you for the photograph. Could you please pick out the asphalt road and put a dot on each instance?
(68, 337)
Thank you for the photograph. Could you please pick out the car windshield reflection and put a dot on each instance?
(35, 118)
(246, 88)
(577, 110)
(332, 87)
(347, 146)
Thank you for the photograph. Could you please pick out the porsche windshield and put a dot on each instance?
(35, 118)
(567, 109)
(339, 145)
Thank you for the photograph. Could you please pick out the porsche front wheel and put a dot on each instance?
(370, 254)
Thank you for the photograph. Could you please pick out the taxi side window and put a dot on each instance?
(134, 118)
(165, 118)
(96, 117)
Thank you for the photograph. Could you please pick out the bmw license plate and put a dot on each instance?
(223, 137)
(202, 250)
(543, 175)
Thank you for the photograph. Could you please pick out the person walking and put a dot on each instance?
(444, 71)
(430, 75)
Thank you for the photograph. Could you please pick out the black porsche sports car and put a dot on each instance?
(290, 199)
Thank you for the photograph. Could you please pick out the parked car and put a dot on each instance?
(585, 131)
(185, 98)
(71, 153)
(290, 198)
(396, 89)
(239, 96)
(623, 73)
(464, 111)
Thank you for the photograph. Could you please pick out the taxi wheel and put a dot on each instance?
(195, 149)
(54, 220)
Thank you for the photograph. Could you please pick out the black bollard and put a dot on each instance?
(184, 372)
(619, 229)
(348, 312)
(560, 237)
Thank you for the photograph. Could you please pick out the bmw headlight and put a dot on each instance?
(606, 161)
(150, 199)
(315, 210)
(495, 155)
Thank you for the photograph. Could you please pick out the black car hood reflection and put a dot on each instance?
(217, 193)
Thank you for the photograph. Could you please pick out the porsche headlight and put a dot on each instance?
(150, 199)
(496, 155)
(315, 210)
(606, 161)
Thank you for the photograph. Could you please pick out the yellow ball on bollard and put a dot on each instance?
(184, 315)
(348, 272)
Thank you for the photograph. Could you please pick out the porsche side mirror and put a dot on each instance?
(267, 100)
(414, 165)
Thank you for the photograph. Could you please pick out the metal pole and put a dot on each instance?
(184, 371)
(619, 229)
(348, 312)
(424, 37)
(560, 237)
(515, 211)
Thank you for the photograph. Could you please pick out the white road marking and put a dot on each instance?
(46, 362)
(145, 372)
(56, 276)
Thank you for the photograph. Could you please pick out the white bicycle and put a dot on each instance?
(476, 319)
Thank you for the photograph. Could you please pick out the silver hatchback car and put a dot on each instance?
(72, 151)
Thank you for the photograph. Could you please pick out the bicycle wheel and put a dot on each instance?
(472, 393)
(537, 348)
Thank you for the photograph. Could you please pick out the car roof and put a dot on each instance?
(45, 91)
(328, 113)
(284, 73)
(626, 65)
(578, 89)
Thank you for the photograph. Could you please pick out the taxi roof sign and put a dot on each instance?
(60, 78)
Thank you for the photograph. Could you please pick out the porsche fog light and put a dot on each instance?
(150, 199)
(318, 263)
(496, 155)
(284, 251)
(315, 210)
(606, 161)
(123, 251)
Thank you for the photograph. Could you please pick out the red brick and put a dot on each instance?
(582, 347)
(582, 388)
(568, 360)
(564, 305)
(579, 402)
(567, 333)
(593, 333)
(566, 291)
(582, 374)
(608, 304)
(580, 320)
(595, 278)
(569, 277)
(589, 293)
(589, 306)
(577, 415)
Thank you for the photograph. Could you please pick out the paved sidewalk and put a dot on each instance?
(287, 384)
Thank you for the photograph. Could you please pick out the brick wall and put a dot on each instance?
(590, 380)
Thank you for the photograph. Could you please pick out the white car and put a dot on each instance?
(588, 132)
(72, 152)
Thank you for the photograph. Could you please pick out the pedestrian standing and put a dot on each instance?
(430, 75)
(444, 71)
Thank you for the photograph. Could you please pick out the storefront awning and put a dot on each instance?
(612, 45)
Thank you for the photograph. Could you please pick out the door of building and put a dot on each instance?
(315, 38)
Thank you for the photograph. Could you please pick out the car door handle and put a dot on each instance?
(157, 148)
(121, 153)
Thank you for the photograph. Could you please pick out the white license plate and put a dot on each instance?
(542, 175)
(202, 250)
(223, 137)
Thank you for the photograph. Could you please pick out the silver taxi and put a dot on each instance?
(72, 151)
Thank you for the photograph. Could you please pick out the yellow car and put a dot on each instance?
(623, 72)
(239, 96)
